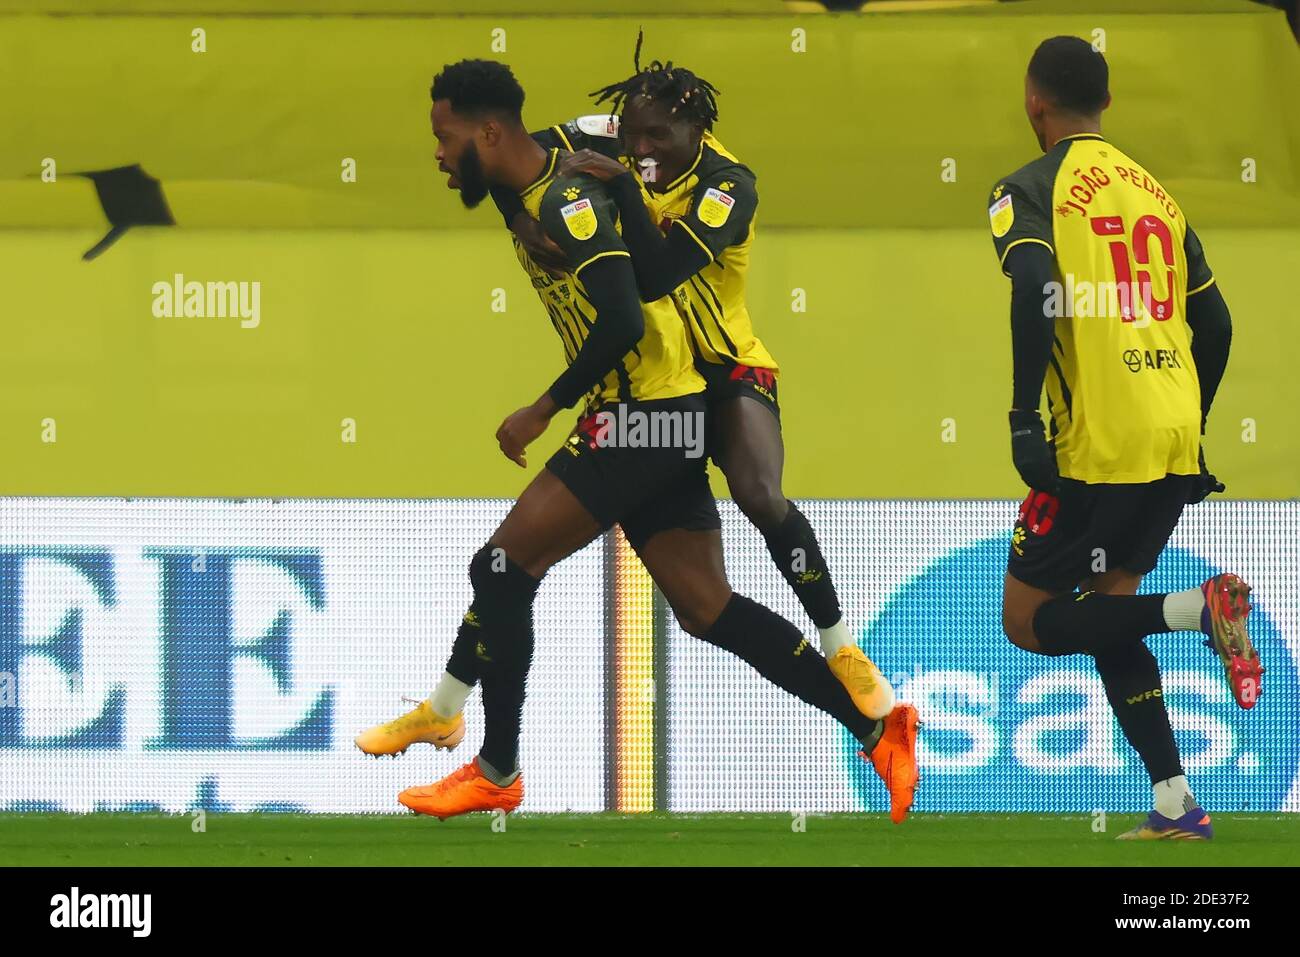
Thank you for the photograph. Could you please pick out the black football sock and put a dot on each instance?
(1132, 680)
(873, 737)
(501, 779)
(463, 663)
(777, 650)
(503, 604)
(1091, 623)
(794, 548)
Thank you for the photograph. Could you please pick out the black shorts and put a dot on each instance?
(1059, 542)
(730, 380)
(647, 483)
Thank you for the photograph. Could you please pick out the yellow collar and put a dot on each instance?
(546, 174)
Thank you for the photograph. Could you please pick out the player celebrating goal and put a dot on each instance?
(622, 355)
(687, 217)
(1129, 390)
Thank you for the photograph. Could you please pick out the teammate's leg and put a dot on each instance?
(527, 532)
(1133, 688)
(1093, 623)
(546, 524)
(1129, 672)
(1056, 544)
(1086, 622)
(751, 454)
(687, 566)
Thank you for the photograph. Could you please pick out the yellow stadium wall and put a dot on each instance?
(377, 296)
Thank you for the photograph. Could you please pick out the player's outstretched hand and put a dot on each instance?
(520, 429)
(1205, 484)
(593, 164)
(1031, 453)
(539, 246)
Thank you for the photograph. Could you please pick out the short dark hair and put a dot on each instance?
(1072, 73)
(479, 87)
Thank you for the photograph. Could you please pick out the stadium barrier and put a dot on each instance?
(173, 655)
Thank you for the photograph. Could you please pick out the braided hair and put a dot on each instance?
(684, 93)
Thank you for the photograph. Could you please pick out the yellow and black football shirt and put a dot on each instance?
(580, 217)
(1122, 390)
(715, 201)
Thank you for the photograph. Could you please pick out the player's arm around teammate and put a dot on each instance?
(686, 211)
(660, 495)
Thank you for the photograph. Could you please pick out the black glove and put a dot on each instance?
(1203, 484)
(1033, 456)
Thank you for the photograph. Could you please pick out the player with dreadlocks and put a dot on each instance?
(626, 359)
(686, 206)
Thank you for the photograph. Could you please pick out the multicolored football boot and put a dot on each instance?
(1192, 826)
(1227, 606)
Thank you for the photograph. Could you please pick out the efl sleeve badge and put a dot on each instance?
(1001, 216)
(715, 207)
(580, 219)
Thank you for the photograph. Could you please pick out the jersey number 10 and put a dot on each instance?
(1147, 227)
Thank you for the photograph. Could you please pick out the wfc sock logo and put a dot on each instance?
(74, 909)
(1145, 696)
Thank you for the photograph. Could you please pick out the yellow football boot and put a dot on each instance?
(419, 726)
(871, 693)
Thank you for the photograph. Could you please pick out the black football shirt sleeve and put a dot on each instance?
(722, 210)
(1032, 328)
(1199, 275)
(580, 217)
(1019, 216)
(662, 263)
(508, 203)
(1210, 322)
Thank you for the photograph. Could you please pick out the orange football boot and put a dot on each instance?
(463, 791)
(894, 758)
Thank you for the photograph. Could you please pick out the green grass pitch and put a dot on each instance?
(622, 839)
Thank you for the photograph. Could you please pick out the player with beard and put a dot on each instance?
(686, 207)
(620, 352)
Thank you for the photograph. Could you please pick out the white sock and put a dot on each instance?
(835, 637)
(449, 697)
(1183, 609)
(1173, 797)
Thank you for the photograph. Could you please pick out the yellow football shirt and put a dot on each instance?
(1122, 390)
(715, 201)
